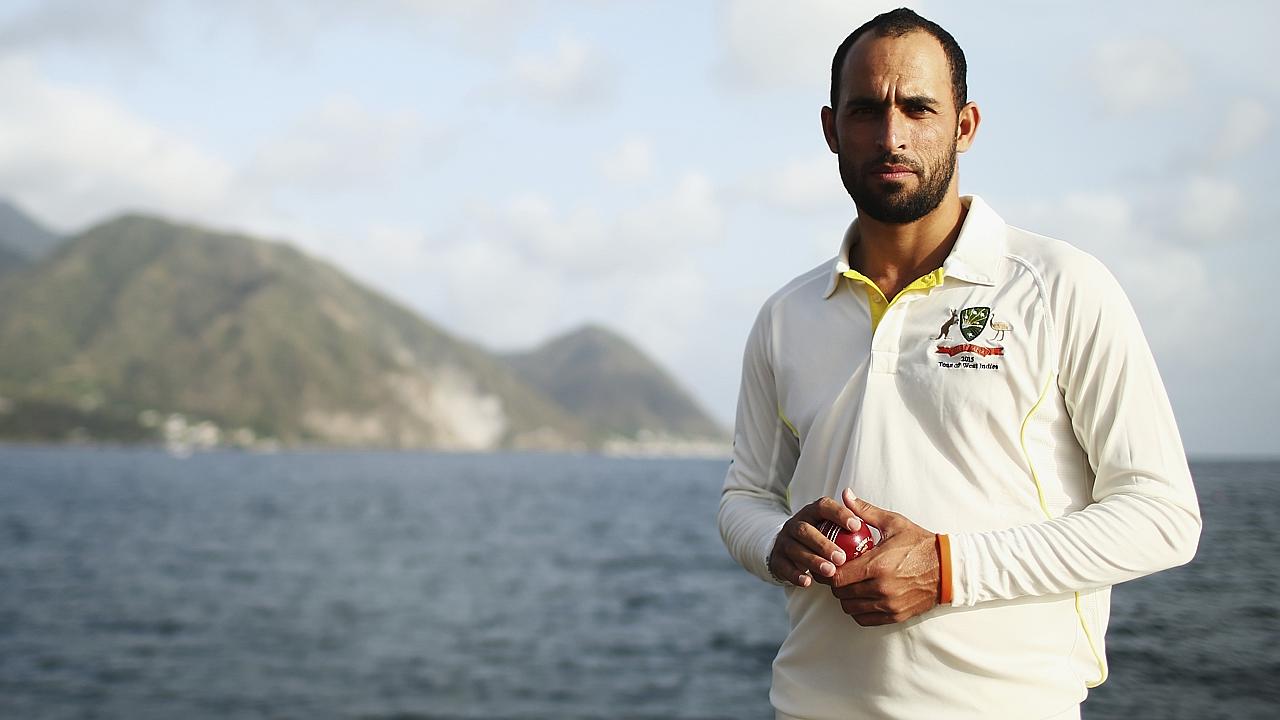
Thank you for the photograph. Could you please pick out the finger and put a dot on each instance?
(803, 558)
(869, 589)
(873, 619)
(863, 606)
(856, 572)
(829, 509)
(813, 539)
(787, 570)
(879, 517)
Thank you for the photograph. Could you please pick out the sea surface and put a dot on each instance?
(411, 586)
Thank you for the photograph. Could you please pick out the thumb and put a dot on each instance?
(879, 517)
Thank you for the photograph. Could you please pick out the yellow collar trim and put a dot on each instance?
(879, 303)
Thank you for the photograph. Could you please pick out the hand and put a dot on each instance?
(896, 580)
(801, 554)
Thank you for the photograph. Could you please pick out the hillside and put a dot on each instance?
(22, 234)
(11, 260)
(140, 314)
(23, 241)
(608, 383)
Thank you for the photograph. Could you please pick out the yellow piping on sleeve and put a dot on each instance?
(783, 417)
(1044, 507)
(1022, 439)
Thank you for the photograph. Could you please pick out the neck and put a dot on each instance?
(893, 255)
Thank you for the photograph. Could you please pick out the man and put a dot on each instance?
(982, 395)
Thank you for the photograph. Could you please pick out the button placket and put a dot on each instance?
(886, 342)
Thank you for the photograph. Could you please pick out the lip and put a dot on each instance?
(893, 172)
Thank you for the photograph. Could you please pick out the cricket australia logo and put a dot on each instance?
(973, 320)
(966, 355)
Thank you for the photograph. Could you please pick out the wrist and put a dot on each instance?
(768, 559)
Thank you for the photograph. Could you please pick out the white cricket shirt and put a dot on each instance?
(1010, 401)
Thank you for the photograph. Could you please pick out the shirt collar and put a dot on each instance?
(973, 258)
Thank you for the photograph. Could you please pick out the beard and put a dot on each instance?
(891, 202)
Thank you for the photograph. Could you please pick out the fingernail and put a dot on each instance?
(827, 568)
(805, 580)
(854, 523)
(837, 557)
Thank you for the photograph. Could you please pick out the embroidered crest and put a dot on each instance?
(973, 320)
(967, 355)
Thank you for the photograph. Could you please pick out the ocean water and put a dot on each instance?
(416, 585)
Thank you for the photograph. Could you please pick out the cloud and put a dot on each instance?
(481, 11)
(73, 155)
(385, 256)
(79, 24)
(769, 45)
(570, 75)
(672, 319)
(480, 27)
(342, 144)
(587, 244)
(1245, 127)
(1209, 208)
(1134, 74)
(631, 162)
(686, 218)
(807, 185)
(136, 28)
(511, 275)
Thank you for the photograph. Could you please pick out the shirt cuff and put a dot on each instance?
(769, 542)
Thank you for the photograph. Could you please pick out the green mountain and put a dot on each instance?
(23, 241)
(139, 326)
(11, 260)
(610, 384)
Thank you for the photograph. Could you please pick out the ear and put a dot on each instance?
(829, 129)
(967, 126)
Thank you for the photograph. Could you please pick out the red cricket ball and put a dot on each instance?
(853, 543)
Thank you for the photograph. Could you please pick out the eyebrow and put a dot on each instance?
(867, 101)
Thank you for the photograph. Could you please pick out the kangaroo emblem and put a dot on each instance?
(1001, 327)
(946, 326)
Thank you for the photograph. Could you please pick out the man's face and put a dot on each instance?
(895, 127)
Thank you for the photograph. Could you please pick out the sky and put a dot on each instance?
(514, 169)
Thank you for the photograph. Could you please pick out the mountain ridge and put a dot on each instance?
(139, 318)
(606, 380)
(23, 240)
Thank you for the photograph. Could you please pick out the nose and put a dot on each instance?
(892, 131)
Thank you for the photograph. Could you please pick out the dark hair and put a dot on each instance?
(897, 23)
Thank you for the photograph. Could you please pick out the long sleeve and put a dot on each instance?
(753, 506)
(1144, 516)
